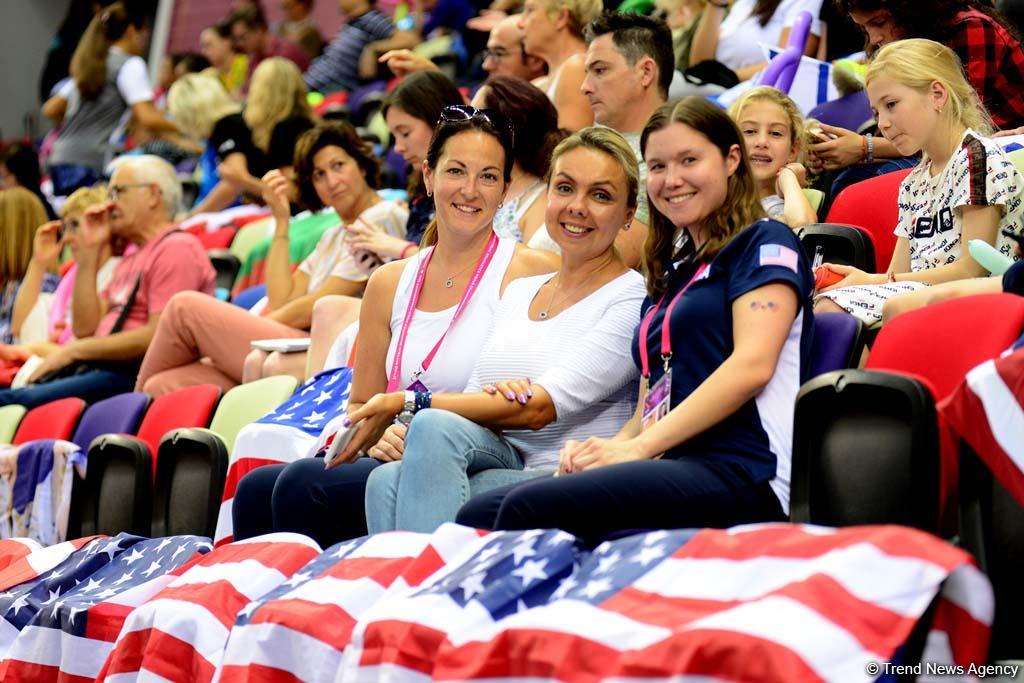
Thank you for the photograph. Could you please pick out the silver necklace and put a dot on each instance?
(543, 315)
(450, 282)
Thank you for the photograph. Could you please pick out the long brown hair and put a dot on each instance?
(89, 62)
(741, 207)
(21, 213)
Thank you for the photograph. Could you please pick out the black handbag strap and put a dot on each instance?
(130, 301)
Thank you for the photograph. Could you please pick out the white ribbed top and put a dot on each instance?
(581, 357)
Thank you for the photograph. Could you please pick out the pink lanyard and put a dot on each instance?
(474, 281)
(666, 327)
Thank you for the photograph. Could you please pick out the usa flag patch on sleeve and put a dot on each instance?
(778, 255)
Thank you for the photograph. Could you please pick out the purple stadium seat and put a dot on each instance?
(116, 415)
(838, 343)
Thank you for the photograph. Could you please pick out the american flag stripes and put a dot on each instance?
(72, 640)
(180, 633)
(987, 411)
(284, 435)
(774, 602)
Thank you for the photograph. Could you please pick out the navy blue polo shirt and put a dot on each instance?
(757, 438)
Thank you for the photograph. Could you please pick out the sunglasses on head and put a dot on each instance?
(458, 113)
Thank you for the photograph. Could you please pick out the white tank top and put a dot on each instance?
(457, 356)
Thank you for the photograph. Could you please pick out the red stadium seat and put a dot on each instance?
(943, 342)
(218, 239)
(55, 420)
(871, 204)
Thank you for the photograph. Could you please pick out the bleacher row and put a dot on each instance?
(870, 446)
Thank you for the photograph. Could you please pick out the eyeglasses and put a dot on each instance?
(115, 191)
(460, 113)
(499, 53)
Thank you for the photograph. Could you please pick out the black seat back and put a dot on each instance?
(226, 266)
(191, 468)
(992, 529)
(842, 244)
(117, 493)
(865, 451)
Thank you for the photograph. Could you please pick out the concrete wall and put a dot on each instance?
(26, 29)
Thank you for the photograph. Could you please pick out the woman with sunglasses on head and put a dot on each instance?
(568, 331)
(420, 326)
(722, 347)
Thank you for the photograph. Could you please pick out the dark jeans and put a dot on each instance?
(91, 386)
(303, 497)
(657, 494)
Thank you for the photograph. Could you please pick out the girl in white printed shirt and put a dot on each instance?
(964, 188)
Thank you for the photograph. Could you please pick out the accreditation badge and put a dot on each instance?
(656, 401)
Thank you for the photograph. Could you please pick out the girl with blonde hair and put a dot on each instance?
(21, 213)
(964, 188)
(553, 31)
(108, 77)
(775, 135)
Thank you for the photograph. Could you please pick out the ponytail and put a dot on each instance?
(429, 238)
(89, 62)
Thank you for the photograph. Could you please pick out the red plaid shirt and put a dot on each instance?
(994, 61)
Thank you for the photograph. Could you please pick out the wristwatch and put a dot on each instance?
(408, 409)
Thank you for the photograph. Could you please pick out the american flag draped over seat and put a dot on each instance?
(778, 602)
(774, 602)
(987, 411)
(286, 434)
(71, 639)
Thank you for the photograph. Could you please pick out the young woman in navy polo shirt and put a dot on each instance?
(709, 443)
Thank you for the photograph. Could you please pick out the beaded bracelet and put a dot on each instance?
(870, 141)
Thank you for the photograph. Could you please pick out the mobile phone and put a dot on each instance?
(1019, 239)
(341, 440)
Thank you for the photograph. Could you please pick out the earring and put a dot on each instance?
(428, 193)
(627, 226)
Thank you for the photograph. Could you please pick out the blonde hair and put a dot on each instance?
(21, 213)
(916, 63)
(581, 12)
(82, 198)
(798, 127)
(276, 93)
(606, 141)
(197, 101)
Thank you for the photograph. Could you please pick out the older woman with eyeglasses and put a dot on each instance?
(420, 327)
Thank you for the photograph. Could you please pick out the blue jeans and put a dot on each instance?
(91, 386)
(431, 482)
